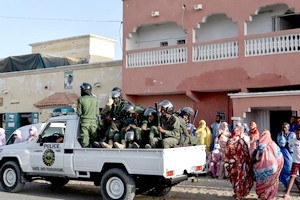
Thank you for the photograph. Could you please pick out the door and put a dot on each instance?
(12, 122)
(47, 155)
(277, 118)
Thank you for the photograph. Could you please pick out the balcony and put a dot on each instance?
(165, 56)
(255, 45)
(215, 51)
(275, 44)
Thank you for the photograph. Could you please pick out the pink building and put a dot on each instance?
(236, 58)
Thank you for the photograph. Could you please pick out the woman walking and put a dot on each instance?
(238, 165)
(267, 167)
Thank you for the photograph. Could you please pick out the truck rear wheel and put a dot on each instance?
(117, 184)
(160, 191)
(11, 177)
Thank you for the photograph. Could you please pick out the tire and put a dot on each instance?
(58, 181)
(11, 177)
(116, 184)
(160, 191)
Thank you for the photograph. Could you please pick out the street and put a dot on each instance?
(205, 189)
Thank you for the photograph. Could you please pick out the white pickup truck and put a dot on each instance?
(121, 173)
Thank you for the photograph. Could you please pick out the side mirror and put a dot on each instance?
(40, 140)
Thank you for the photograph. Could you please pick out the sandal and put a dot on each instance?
(286, 196)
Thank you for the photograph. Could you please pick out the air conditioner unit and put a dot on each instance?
(155, 13)
(198, 7)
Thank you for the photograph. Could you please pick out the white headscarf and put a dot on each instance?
(32, 130)
(216, 148)
(18, 133)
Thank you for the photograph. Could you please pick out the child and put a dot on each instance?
(295, 143)
(216, 158)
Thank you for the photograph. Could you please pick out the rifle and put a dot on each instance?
(158, 119)
(195, 116)
(194, 119)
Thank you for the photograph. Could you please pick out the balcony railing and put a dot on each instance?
(157, 57)
(215, 51)
(273, 45)
(255, 45)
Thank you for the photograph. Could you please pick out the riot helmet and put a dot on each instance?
(128, 108)
(167, 105)
(115, 94)
(129, 136)
(150, 111)
(86, 89)
(186, 111)
(117, 89)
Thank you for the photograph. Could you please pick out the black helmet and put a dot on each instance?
(186, 111)
(150, 111)
(167, 105)
(117, 89)
(86, 87)
(115, 94)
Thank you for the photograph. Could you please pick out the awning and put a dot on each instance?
(59, 99)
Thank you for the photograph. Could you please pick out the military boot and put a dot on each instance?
(121, 145)
(110, 144)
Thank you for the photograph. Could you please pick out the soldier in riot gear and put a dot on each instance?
(109, 103)
(88, 111)
(170, 125)
(114, 119)
(131, 133)
(184, 117)
(126, 134)
(149, 128)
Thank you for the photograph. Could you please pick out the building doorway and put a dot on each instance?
(277, 118)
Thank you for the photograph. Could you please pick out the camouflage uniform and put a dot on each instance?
(171, 136)
(117, 118)
(185, 138)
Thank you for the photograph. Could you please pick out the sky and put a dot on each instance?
(23, 22)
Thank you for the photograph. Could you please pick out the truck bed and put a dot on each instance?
(143, 161)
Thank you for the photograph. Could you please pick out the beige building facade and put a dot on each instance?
(91, 47)
(21, 91)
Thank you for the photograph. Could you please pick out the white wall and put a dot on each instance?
(216, 27)
(151, 36)
(262, 23)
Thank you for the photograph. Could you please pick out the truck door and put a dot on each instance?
(47, 155)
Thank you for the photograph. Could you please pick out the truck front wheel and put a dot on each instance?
(11, 177)
(117, 184)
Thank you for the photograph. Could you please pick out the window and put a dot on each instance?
(54, 132)
(164, 44)
(286, 21)
(180, 42)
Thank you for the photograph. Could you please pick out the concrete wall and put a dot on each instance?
(20, 90)
(93, 48)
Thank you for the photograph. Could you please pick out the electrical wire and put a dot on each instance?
(120, 36)
(57, 19)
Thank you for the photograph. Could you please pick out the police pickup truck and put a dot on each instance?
(58, 157)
